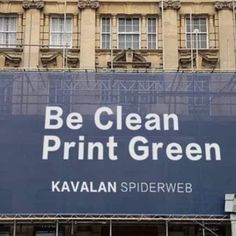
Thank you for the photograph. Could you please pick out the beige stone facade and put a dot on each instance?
(104, 35)
(162, 38)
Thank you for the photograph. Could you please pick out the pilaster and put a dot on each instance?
(88, 33)
(170, 34)
(226, 35)
(32, 32)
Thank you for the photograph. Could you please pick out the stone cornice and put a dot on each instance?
(34, 4)
(171, 4)
(224, 6)
(82, 4)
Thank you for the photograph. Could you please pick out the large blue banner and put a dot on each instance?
(117, 143)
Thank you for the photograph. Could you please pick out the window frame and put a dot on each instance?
(203, 33)
(125, 33)
(156, 33)
(106, 33)
(7, 45)
(61, 33)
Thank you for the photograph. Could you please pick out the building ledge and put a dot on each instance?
(9, 50)
(144, 50)
(48, 49)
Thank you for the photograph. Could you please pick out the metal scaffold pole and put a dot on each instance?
(64, 38)
(110, 228)
(111, 43)
(167, 228)
(163, 32)
(191, 40)
(57, 227)
(203, 230)
(14, 228)
(234, 33)
(72, 228)
(30, 41)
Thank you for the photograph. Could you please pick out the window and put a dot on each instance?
(7, 31)
(128, 32)
(152, 32)
(199, 29)
(60, 37)
(106, 32)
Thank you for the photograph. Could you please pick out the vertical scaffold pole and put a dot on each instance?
(191, 39)
(14, 228)
(163, 32)
(111, 42)
(110, 228)
(57, 228)
(167, 228)
(203, 229)
(234, 32)
(64, 62)
(72, 228)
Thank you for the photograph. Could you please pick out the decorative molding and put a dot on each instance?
(34, 4)
(170, 4)
(73, 60)
(224, 6)
(206, 58)
(129, 58)
(209, 60)
(83, 4)
(51, 59)
(12, 59)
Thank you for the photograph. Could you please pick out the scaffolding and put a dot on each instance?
(187, 94)
(208, 96)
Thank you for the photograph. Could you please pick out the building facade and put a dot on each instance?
(116, 35)
(148, 35)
